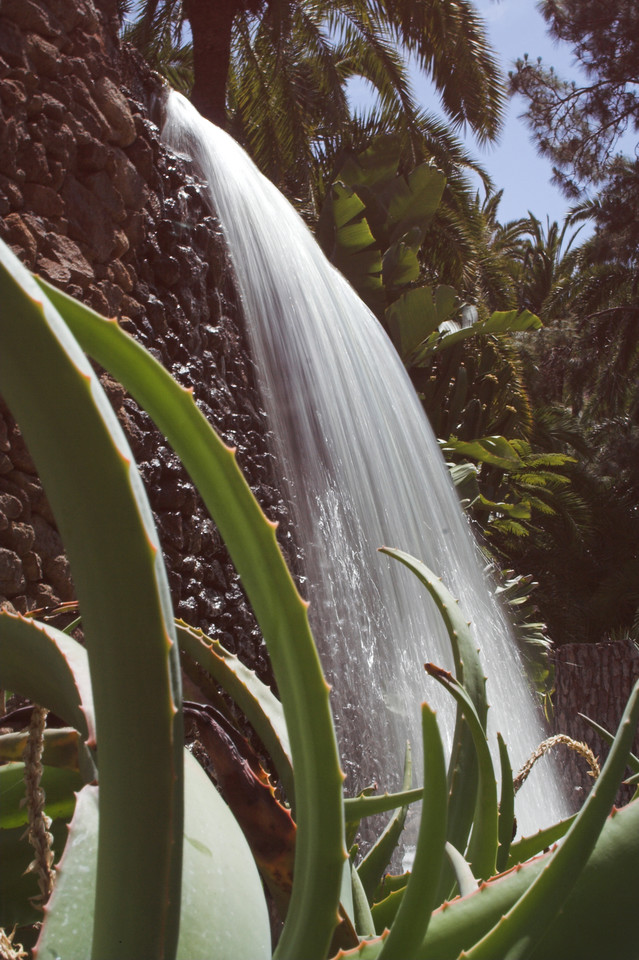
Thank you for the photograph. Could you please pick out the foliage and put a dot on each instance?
(579, 124)
(280, 75)
(216, 893)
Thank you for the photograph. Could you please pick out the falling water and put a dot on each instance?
(361, 468)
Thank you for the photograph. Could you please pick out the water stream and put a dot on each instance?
(361, 468)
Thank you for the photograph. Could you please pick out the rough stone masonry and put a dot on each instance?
(91, 200)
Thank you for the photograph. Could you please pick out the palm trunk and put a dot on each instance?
(211, 24)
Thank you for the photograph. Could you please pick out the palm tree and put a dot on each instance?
(278, 72)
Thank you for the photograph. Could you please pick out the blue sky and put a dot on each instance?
(515, 27)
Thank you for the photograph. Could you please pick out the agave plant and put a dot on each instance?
(155, 864)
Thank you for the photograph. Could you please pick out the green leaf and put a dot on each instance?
(256, 701)
(223, 912)
(58, 784)
(506, 806)
(466, 881)
(253, 547)
(372, 867)
(508, 321)
(346, 239)
(482, 849)
(400, 265)
(413, 200)
(462, 771)
(419, 898)
(49, 668)
(356, 808)
(515, 935)
(62, 747)
(364, 923)
(496, 451)
(16, 885)
(96, 495)
(527, 847)
(604, 891)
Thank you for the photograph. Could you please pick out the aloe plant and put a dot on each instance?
(155, 864)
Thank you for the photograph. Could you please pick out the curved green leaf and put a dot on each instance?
(280, 612)
(372, 866)
(49, 668)
(96, 494)
(420, 894)
(527, 847)
(256, 701)
(506, 806)
(482, 849)
(605, 890)
(462, 769)
(356, 808)
(515, 935)
(466, 881)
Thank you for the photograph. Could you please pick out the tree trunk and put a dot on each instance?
(594, 679)
(211, 25)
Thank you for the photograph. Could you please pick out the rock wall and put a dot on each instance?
(90, 199)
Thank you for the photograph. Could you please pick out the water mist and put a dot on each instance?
(361, 468)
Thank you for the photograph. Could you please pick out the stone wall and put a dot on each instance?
(90, 199)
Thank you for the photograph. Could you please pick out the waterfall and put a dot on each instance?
(361, 468)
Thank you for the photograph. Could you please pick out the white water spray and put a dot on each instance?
(361, 468)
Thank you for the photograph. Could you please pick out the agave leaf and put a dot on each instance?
(385, 911)
(607, 737)
(253, 547)
(528, 847)
(482, 849)
(364, 923)
(605, 890)
(43, 664)
(419, 898)
(388, 897)
(466, 881)
(516, 934)
(256, 701)
(62, 747)
(58, 785)
(96, 494)
(463, 775)
(372, 867)
(357, 808)
(506, 806)
(218, 918)
(267, 824)
(367, 950)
